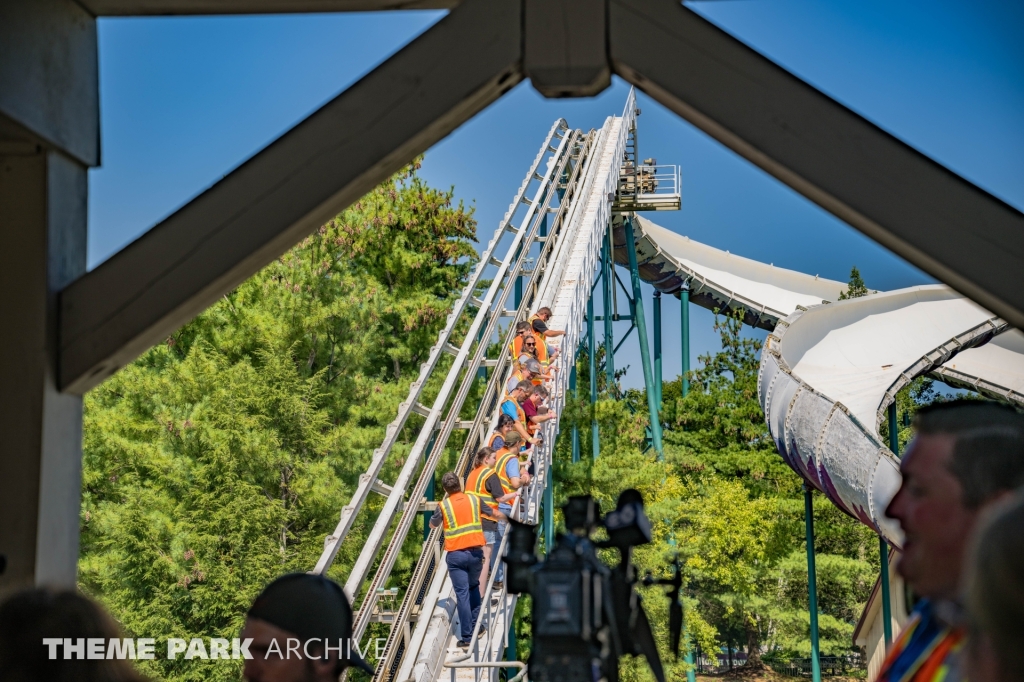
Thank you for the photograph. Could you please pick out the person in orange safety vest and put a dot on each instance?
(483, 482)
(460, 515)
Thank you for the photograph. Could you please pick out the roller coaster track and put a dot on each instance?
(829, 369)
(567, 196)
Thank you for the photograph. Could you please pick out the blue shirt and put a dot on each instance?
(509, 407)
(512, 468)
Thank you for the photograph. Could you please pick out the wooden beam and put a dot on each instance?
(284, 192)
(177, 7)
(933, 218)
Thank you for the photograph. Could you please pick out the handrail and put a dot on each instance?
(332, 543)
(420, 572)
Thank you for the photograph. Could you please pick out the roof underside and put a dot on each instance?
(185, 7)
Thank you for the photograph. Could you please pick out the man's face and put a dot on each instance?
(289, 666)
(936, 524)
(535, 398)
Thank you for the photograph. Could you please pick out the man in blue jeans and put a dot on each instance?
(460, 514)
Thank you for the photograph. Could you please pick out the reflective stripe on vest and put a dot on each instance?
(501, 467)
(462, 528)
(476, 485)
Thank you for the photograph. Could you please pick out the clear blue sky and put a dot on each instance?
(184, 100)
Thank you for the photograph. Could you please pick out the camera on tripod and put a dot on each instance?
(585, 614)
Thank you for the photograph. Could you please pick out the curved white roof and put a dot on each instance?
(719, 280)
(830, 368)
(995, 369)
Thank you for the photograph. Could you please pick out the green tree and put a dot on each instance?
(221, 458)
(855, 288)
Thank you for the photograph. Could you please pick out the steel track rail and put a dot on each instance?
(519, 247)
(332, 543)
(426, 567)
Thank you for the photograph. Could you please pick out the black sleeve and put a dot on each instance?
(539, 326)
(494, 486)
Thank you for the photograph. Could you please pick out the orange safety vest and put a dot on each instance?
(521, 416)
(476, 485)
(462, 528)
(500, 467)
(516, 348)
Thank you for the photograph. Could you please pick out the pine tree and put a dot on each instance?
(221, 458)
(855, 288)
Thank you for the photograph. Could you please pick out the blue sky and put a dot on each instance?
(184, 100)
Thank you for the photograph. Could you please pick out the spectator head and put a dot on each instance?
(544, 313)
(512, 440)
(451, 483)
(524, 361)
(311, 609)
(523, 389)
(539, 394)
(522, 327)
(995, 595)
(964, 456)
(533, 365)
(505, 422)
(482, 455)
(29, 616)
(530, 344)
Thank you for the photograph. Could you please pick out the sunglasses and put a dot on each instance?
(529, 344)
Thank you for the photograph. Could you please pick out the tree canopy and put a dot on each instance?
(221, 458)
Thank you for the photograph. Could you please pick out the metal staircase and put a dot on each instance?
(558, 221)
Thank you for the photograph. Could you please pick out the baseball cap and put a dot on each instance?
(308, 606)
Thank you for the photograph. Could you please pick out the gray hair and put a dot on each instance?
(988, 452)
(995, 584)
(451, 483)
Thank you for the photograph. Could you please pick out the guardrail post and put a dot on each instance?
(595, 444)
(812, 582)
(645, 351)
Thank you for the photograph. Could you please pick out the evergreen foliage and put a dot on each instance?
(856, 287)
(221, 458)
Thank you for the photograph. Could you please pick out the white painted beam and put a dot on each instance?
(172, 7)
(894, 194)
(259, 210)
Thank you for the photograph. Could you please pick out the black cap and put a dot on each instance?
(308, 606)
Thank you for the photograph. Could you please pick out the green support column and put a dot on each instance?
(812, 583)
(430, 487)
(658, 376)
(575, 426)
(645, 351)
(691, 671)
(511, 651)
(595, 444)
(549, 512)
(608, 285)
(684, 334)
(883, 546)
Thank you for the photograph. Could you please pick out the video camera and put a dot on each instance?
(585, 614)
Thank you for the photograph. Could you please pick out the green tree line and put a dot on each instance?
(222, 457)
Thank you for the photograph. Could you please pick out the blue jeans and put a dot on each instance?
(464, 567)
(505, 509)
